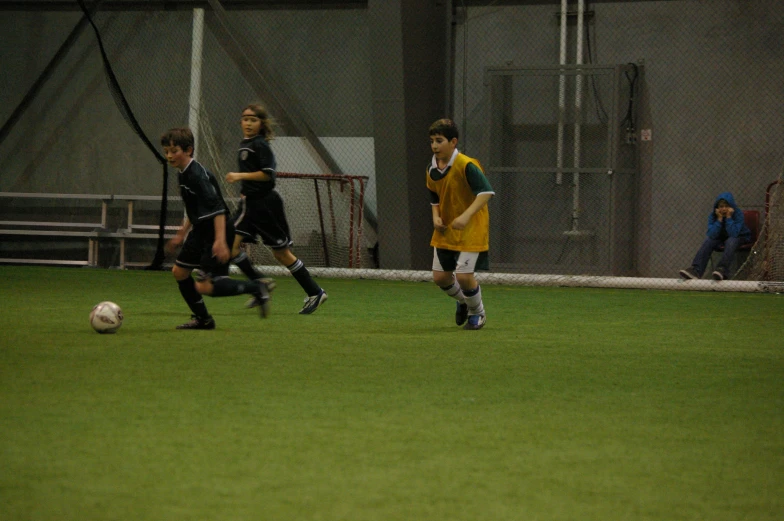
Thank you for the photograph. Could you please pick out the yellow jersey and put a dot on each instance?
(455, 189)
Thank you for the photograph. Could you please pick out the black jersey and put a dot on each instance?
(255, 155)
(201, 193)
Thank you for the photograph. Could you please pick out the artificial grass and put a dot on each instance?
(570, 404)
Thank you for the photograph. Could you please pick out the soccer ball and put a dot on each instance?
(106, 317)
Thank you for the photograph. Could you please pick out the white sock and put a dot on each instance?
(475, 305)
(454, 290)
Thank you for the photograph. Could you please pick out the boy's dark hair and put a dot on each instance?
(266, 121)
(445, 127)
(180, 136)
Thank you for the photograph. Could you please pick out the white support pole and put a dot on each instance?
(194, 103)
(561, 96)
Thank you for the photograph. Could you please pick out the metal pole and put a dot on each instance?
(194, 103)
(561, 97)
(321, 221)
(578, 104)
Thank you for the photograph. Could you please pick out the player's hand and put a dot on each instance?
(729, 211)
(438, 224)
(719, 214)
(233, 177)
(459, 223)
(221, 251)
(173, 243)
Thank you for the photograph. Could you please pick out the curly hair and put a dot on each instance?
(267, 122)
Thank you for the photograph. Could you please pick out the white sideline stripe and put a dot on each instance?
(514, 279)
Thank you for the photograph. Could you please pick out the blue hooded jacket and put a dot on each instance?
(735, 225)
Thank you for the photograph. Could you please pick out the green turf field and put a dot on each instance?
(572, 404)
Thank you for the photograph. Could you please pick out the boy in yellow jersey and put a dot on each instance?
(459, 192)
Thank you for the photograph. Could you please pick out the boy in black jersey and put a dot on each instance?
(262, 213)
(208, 233)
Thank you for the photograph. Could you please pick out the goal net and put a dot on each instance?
(766, 260)
(325, 219)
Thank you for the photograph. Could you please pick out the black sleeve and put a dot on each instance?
(265, 157)
(210, 202)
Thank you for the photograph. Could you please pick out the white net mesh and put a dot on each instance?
(766, 260)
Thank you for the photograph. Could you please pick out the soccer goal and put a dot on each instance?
(325, 214)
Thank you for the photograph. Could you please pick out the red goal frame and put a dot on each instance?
(355, 184)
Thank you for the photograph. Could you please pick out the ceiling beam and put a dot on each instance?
(184, 5)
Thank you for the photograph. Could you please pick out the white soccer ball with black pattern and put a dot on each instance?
(106, 317)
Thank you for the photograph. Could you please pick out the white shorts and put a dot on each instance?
(456, 261)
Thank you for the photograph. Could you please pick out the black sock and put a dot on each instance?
(301, 273)
(243, 263)
(193, 298)
(226, 287)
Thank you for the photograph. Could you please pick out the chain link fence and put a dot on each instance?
(606, 128)
(610, 130)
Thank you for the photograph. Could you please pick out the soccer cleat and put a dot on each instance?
(262, 298)
(719, 275)
(255, 301)
(270, 283)
(689, 274)
(313, 303)
(475, 322)
(461, 313)
(198, 323)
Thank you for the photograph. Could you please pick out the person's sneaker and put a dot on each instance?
(689, 274)
(461, 313)
(198, 323)
(475, 322)
(255, 301)
(313, 303)
(718, 275)
(262, 298)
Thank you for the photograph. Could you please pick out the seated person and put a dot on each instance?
(725, 227)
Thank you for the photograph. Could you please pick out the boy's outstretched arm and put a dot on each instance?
(461, 220)
(233, 177)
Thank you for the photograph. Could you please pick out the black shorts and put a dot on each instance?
(265, 218)
(451, 260)
(196, 252)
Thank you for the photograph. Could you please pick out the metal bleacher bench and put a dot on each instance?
(92, 230)
(139, 231)
(36, 228)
